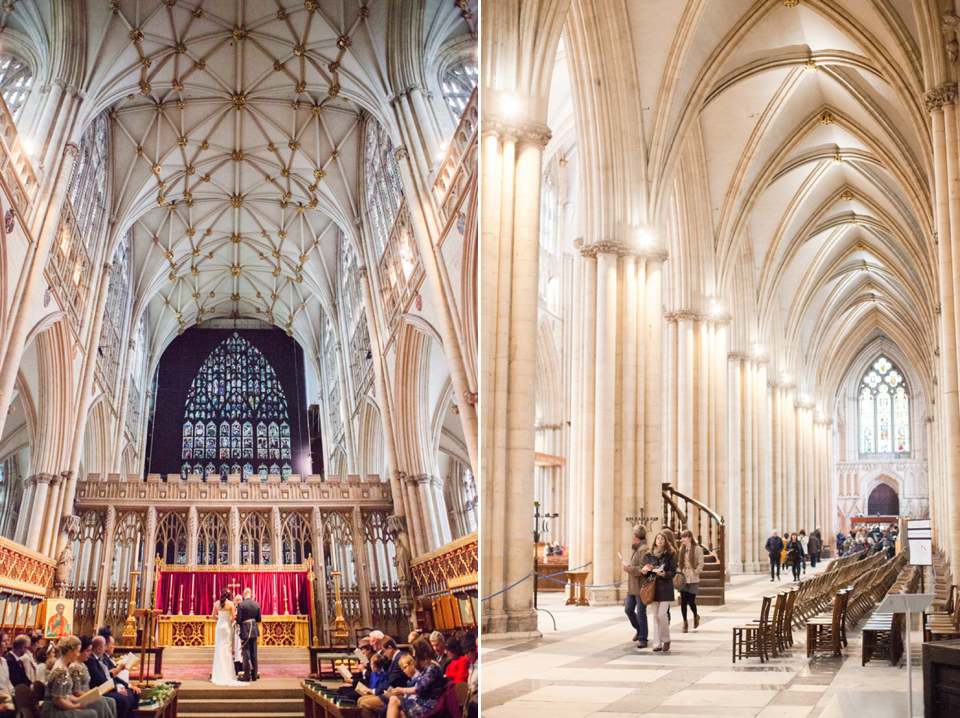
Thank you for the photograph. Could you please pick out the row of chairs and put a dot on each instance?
(882, 635)
(942, 621)
(863, 578)
(828, 632)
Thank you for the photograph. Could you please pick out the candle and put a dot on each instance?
(193, 593)
(275, 596)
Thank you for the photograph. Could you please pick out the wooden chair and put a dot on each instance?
(827, 632)
(787, 627)
(943, 626)
(753, 639)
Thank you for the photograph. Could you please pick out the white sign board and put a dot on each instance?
(919, 538)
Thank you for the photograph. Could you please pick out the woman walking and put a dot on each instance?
(794, 555)
(661, 561)
(633, 606)
(690, 564)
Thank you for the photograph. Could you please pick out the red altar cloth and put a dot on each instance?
(202, 588)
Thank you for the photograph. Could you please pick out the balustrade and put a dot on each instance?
(68, 268)
(15, 167)
(459, 166)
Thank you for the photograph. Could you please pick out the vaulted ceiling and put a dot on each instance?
(788, 146)
(237, 129)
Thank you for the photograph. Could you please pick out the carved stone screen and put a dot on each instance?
(230, 401)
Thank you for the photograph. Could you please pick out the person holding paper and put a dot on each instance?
(104, 707)
(120, 672)
(126, 700)
(59, 699)
(661, 562)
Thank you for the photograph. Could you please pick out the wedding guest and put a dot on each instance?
(376, 641)
(118, 673)
(99, 674)
(20, 671)
(378, 676)
(458, 665)
(371, 705)
(426, 687)
(439, 646)
(468, 644)
(45, 658)
(80, 676)
(59, 701)
(352, 691)
(6, 687)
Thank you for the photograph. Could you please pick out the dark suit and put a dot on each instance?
(18, 674)
(248, 618)
(99, 674)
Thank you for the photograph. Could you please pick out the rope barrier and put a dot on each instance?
(492, 595)
(596, 585)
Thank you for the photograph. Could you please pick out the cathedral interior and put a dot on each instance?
(238, 313)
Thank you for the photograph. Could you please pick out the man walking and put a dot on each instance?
(774, 548)
(248, 617)
(815, 546)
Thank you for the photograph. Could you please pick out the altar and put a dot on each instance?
(186, 593)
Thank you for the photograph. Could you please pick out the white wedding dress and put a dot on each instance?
(223, 672)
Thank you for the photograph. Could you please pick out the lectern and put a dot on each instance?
(148, 614)
(906, 603)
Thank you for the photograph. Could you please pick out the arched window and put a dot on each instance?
(384, 187)
(212, 547)
(88, 184)
(16, 78)
(235, 390)
(458, 83)
(297, 541)
(884, 403)
(254, 538)
(172, 537)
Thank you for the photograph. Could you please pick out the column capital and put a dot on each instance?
(805, 405)
(401, 153)
(362, 271)
(738, 356)
(605, 246)
(685, 315)
(531, 132)
(945, 94)
(42, 478)
(70, 525)
(71, 149)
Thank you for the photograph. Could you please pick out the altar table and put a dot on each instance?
(201, 631)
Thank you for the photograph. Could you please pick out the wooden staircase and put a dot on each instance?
(683, 512)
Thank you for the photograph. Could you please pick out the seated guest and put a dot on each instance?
(372, 705)
(458, 665)
(46, 657)
(439, 644)
(425, 689)
(378, 675)
(351, 691)
(59, 701)
(104, 707)
(115, 670)
(6, 686)
(468, 644)
(412, 636)
(20, 671)
(99, 668)
(376, 641)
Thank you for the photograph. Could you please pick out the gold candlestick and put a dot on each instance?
(180, 611)
(339, 624)
(130, 627)
(286, 602)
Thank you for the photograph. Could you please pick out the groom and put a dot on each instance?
(248, 618)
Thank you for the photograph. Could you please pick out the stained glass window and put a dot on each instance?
(16, 79)
(458, 83)
(884, 410)
(236, 411)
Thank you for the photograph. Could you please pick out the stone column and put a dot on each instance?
(147, 599)
(604, 493)
(735, 444)
(686, 349)
(26, 509)
(103, 583)
(193, 531)
(669, 392)
(52, 520)
(631, 476)
(363, 573)
(587, 414)
(39, 509)
(28, 289)
(764, 465)
(653, 476)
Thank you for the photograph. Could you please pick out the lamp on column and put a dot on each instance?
(538, 530)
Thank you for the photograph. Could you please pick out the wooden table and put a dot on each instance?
(315, 705)
(319, 654)
(163, 710)
(578, 588)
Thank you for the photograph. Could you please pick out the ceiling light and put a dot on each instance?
(510, 105)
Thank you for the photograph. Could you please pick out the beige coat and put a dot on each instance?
(692, 572)
(633, 568)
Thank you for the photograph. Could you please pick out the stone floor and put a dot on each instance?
(588, 668)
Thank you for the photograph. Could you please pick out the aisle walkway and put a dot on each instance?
(590, 669)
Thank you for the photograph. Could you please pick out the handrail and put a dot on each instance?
(692, 515)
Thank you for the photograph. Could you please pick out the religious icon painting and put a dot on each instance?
(59, 618)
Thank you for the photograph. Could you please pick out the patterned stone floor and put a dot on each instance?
(588, 668)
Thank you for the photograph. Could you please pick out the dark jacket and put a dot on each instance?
(794, 552)
(110, 666)
(18, 674)
(814, 545)
(248, 618)
(774, 546)
(396, 678)
(664, 590)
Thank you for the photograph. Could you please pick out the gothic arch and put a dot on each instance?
(885, 476)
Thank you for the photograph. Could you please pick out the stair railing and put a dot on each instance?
(684, 512)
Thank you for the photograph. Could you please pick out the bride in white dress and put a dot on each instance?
(223, 672)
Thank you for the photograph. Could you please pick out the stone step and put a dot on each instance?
(266, 655)
(236, 706)
(250, 693)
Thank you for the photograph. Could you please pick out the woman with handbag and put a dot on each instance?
(660, 566)
(687, 580)
(635, 609)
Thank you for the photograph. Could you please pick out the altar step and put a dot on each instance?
(274, 699)
(266, 655)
